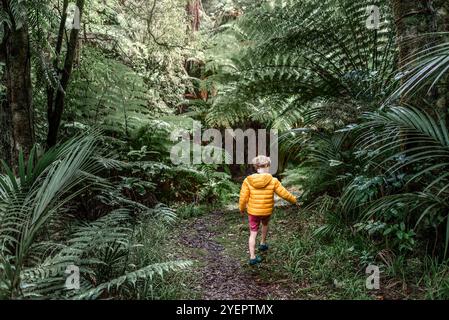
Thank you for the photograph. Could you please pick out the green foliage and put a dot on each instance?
(197, 184)
(392, 184)
(190, 210)
(436, 280)
(424, 158)
(316, 67)
(218, 187)
(372, 171)
(108, 93)
(37, 244)
(151, 37)
(295, 53)
(314, 70)
(425, 69)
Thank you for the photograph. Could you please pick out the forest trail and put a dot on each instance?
(222, 275)
(298, 265)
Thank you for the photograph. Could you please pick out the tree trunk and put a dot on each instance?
(55, 102)
(16, 113)
(441, 21)
(5, 115)
(193, 9)
(192, 67)
(413, 20)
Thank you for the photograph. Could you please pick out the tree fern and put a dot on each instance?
(294, 50)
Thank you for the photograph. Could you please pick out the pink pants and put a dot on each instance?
(254, 221)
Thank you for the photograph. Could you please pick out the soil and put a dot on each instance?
(224, 277)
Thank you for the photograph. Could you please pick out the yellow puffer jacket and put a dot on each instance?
(258, 193)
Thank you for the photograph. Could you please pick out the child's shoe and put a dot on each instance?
(263, 247)
(255, 261)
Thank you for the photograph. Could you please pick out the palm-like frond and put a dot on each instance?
(412, 140)
(425, 68)
(32, 266)
(426, 143)
(419, 207)
(326, 152)
(28, 203)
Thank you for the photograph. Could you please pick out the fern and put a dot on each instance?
(108, 93)
(302, 52)
(131, 278)
(33, 264)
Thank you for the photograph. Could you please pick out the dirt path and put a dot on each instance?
(222, 276)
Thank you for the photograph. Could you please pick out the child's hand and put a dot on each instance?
(242, 213)
(298, 200)
(242, 226)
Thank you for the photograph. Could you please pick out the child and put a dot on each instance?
(258, 193)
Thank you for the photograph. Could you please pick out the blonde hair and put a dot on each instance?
(261, 162)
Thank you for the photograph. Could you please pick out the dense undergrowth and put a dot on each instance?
(363, 133)
(334, 267)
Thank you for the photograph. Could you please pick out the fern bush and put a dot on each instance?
(421, 163)
(39, 241)
(109, 94)
(302, 52)
(316, 72)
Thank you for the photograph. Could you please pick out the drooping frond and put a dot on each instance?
(307, 50)
(413, 137)
(424, 69)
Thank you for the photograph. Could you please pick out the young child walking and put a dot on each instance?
(257, 197)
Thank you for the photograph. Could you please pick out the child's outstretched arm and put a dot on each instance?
(244, 196)
(283, 193)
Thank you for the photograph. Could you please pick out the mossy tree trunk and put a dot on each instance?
(441, 21)
(414, 21)
(16, 112)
